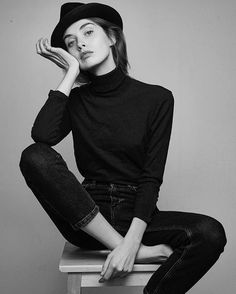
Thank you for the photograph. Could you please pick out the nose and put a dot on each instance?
(80, 45)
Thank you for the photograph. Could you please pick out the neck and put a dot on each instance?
(102, 71)
(107, 82)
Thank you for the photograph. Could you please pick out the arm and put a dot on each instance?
(136, 231)
(124, 254)
(151, 178)
(153, 170)
(52, 123)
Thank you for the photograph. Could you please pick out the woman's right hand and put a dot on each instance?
(57, 55)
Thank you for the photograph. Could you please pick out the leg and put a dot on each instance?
(197, 241)
(47, 175)
(68, 204)
(64, 199)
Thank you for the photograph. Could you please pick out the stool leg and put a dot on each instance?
(74, 283)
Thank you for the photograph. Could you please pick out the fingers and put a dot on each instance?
(56, 54)
(119, 274)
(104, 268)
(44, 49)
(124, 270)
(110, 271)
(50, 48)
(56, 61)
(39, 46)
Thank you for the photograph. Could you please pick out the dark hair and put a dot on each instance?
(119, 49)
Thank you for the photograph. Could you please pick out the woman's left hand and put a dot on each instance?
(120, 260)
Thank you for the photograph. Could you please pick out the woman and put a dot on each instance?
(121, 131)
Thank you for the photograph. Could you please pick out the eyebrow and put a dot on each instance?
(83, 25)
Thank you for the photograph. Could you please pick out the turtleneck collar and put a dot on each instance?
(107, 82)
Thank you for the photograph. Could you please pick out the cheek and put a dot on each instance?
(102, 46)
(104, 50)
(74, 53)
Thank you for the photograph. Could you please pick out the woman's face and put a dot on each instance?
(85, 35)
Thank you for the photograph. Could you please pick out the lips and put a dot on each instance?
(85, 54)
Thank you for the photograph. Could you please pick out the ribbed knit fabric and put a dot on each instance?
(121, 130)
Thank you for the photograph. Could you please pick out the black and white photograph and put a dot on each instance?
(118, 147)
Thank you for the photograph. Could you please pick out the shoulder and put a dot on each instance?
(154, 92)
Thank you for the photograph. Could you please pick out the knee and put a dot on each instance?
(212, 234)
(36, 154)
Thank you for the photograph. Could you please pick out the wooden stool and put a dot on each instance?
(84, 266)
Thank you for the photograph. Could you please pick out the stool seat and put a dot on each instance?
(84, 267)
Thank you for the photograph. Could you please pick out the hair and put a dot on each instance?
(119, 49)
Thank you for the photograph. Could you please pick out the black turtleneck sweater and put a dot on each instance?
(121, 131)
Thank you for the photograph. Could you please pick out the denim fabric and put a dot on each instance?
(57, 189)
(197, 240)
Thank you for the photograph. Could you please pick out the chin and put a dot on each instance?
(89, 66)
(92, 63)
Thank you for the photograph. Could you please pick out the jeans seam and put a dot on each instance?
(81, 223)
(111, 207)
(167, 274)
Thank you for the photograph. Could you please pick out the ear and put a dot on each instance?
(112, 40)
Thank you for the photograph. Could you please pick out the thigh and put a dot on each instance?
(175, 228)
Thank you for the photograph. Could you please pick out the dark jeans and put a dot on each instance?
(197, 240)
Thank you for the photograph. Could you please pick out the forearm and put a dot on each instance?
(136, 230)
(68, 81)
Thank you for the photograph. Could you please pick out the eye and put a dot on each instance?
(89, 32)
(70, 44)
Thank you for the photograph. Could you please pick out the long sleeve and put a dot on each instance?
(152, 174)
(52, 123)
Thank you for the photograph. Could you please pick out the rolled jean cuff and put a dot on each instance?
(86, 219)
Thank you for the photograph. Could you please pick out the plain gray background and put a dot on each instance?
(187, 46)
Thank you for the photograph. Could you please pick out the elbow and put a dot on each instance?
(43, 137)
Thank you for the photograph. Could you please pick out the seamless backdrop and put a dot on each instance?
(187, 46)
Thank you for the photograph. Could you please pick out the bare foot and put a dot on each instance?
(157, 253)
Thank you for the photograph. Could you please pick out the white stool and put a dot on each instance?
(84, 266)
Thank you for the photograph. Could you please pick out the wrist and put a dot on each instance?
(73, 69)
(136, 230)
(132, 238)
